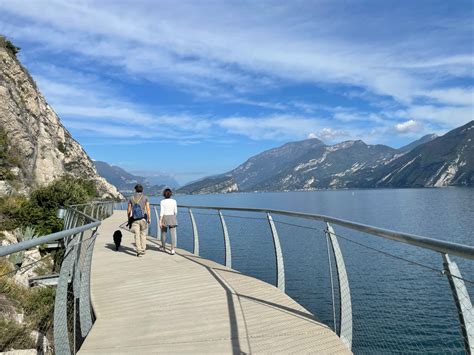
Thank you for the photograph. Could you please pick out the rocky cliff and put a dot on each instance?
(445, 161)
(35, 148)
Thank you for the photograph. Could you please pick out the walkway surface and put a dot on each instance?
(163, 303)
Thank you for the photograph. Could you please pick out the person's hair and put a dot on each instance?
(138, 188)
(167, 193)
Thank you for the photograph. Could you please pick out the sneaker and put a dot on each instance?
(138, 254)
(172, 252)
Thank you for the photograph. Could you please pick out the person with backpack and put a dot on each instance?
(139, 213)
(168, 212)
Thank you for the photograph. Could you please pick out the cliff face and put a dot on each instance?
(36, 148)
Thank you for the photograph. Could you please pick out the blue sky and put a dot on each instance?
(193, 88)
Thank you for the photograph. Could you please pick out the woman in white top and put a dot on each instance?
(168, 212)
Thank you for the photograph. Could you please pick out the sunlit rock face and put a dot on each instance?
(38, 147)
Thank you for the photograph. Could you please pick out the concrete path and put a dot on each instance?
(162, 303)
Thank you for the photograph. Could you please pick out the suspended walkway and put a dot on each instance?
(112, 302)
(162, 303)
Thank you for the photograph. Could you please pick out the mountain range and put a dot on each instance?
(310, 164)
(125, 181)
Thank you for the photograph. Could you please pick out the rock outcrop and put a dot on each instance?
(39, 149)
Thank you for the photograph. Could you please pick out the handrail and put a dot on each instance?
(440, 246)
(27, 244)
(31, 243)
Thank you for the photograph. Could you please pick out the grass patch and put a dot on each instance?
(15, 336)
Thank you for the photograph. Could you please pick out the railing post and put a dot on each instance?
(85, 308)
(332, 284)
(61, 332)
(462, 302)
(158, 230)
(228, 253)
(66, 218)
(74, 220)
(345, 313)
(195, 233)
(280, 266)
(77, 271)
(92, 210)
(100, 216)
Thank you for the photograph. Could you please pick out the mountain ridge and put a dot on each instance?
(308, 165)
(126, 181)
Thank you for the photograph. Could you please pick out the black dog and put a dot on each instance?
(117, 239)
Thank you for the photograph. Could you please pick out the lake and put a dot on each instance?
(398, 306)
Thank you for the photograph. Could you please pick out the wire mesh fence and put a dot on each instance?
(45, 299)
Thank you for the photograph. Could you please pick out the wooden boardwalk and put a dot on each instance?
(162, 303)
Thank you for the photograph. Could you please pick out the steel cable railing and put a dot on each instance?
(70, 302)
(379, 290)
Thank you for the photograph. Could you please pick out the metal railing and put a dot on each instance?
(73, 313)
(345, 304)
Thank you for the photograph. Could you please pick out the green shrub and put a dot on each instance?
(9, 46)
(39, 307)
(10, 157)
(36, 303)
(15, 336)
(39, 211)
(62, 147)
(10, 207)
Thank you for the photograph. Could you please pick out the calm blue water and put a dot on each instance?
(398, 307)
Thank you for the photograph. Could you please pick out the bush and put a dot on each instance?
(10, 207)
(62, 147)
(39, 307)
(10, 157)
(39, 211)
(36, 303)
(15, 336)
(9, 46)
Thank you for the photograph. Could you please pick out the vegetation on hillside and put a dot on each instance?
(10, 158)
(4, 42)
(36, 304)
(33, 215)
(39, 210)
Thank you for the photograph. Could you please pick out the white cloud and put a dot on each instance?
(284, 128)
(452, 96)
(410, 126)
(448, 116)
(332, 135)
(278, 127)
(182, 44)
(237, 51)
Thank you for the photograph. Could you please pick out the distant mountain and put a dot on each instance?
(422, 140)
(311, 164)
(330, 166)
(126, 181)
(445, 161)
(211, 185)
(307, 164)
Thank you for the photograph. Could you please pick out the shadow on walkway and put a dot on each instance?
(123, 249)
